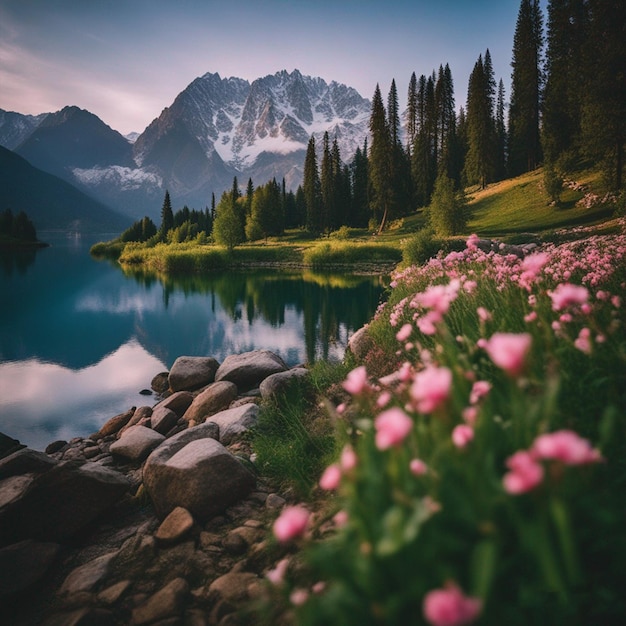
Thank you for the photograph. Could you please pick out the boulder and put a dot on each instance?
(23, 564)
(160, 383)
(25, 461)
(278, 382)
(192, 372)
(8, 445)
(166, 603)
(178, 402)
(139, 416)
(234, 422)
(175, 526)
(55, 505)
(360, 343)
(163, 419)
(87, 576)
(194, 471)
(215, 398)
(136, 443)
(247, 370)
(114, 424)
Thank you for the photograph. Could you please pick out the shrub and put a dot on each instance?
(421, 247)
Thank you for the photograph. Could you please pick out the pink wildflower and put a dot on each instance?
(525, 473)
(534, 262)
(291, 523)
(450, 607)
(356, 382)
(426, 324)
(567, 294)
(565, 446)
(583, 341)
(462, 435)
(404, 333)
(508, 351)
(479, 390)
(470, 414)
(418, 467)
(431, 388)
(348, 459)
(392, 427)
(531, 317)
(483, 314)
(340, 518)
(331, 478)
(299, 596)
(472, 241)
(277, 575)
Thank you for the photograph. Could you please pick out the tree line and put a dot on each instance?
(18, 226)
(567, 108)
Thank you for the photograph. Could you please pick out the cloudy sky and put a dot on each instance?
(125, 60)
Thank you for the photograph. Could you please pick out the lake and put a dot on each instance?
(79, 338)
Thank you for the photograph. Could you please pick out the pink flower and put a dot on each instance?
(277, 575)
(470, 414)
(356, 382)
(348, 459)
(534, 262)
(431, 388)
(472, 241)
(483, 314)
(462, 435)
(508, 351)
(418, 467)
(450, 607)
(299, 596)
(479, 390)
(567, 294)
(583, 341)
(392, 426)
(291, 523)
(331, 478)
(404, 333)
(531, 317)
(341, 518)
(565, 446)
(426, 324)
(525, 473)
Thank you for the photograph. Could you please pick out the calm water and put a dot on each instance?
(79, 339)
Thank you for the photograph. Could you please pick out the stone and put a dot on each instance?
(111, 595)
(175, 526)
(87, 616)
(360, 343)
(215, 398)
(178, 402)
(197, 473)
(163, 420)
(167, 602)
(8, 445)
(55, 505)
(136, 443)
(247, 370)
(192, 372)
(234, 422)
(87, 576)
(277, 383)
(140, 414)
(55, 446)
(23, 564)
(25, 461)
(160, 383)
(232, 587)
(274, 501)
(113, 425)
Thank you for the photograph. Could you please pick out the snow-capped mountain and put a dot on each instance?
(215, 129)
(15, 127)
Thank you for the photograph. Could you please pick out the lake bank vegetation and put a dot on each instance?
(18, 231)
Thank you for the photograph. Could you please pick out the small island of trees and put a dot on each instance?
(17, 230)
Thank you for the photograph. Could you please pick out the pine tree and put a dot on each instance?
(526, 90)
(327, 183)
(360, 187)
(446, 212)
(501, 136)
(312, 190)
(167, 217)
(412, 113)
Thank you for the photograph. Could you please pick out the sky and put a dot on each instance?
(126, 60)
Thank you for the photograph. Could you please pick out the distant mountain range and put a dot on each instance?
(215, 129)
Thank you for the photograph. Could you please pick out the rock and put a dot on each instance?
(136, 443)
(192, 372)
(87, 576)
(274, 501)
(160, 383)
(140, 414)
(167, 602)
(178, 402)
(232, 587)
(112, 594)
(247, 370)
(215, 398)
(196, 472)
(25, 461)
(55, 446)
(23, 564)
(87, 616)
(175, 526)
(278, 382)
(8, 445)
(54, 505)
(114, 424)
(163, 419)
(234, 422)
(360, 343)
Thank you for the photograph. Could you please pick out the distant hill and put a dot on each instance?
(51, 203)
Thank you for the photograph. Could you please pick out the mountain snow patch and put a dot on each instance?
(124, 178)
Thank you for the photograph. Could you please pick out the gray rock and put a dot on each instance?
(23, 564)
(8, 445)
(247, 370)
(140, 414)
(25, 461)
(198, 474)
(160, 383)
(234, 422)
(167, 602)
(178, 402)
(163, 420)
(278, 382)
(87, 576)
(360, 343)
(136, 443)
(216, 397)
(192, 372)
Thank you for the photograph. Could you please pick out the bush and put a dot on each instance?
(421, 247)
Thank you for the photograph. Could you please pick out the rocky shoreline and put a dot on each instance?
(158, 518)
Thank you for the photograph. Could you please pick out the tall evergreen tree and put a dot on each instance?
(360, 188)
(412, 113)
(526, 89)
(167, 216)
(312, 190)
(501, 135)
(327, 182)
(393, 116)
